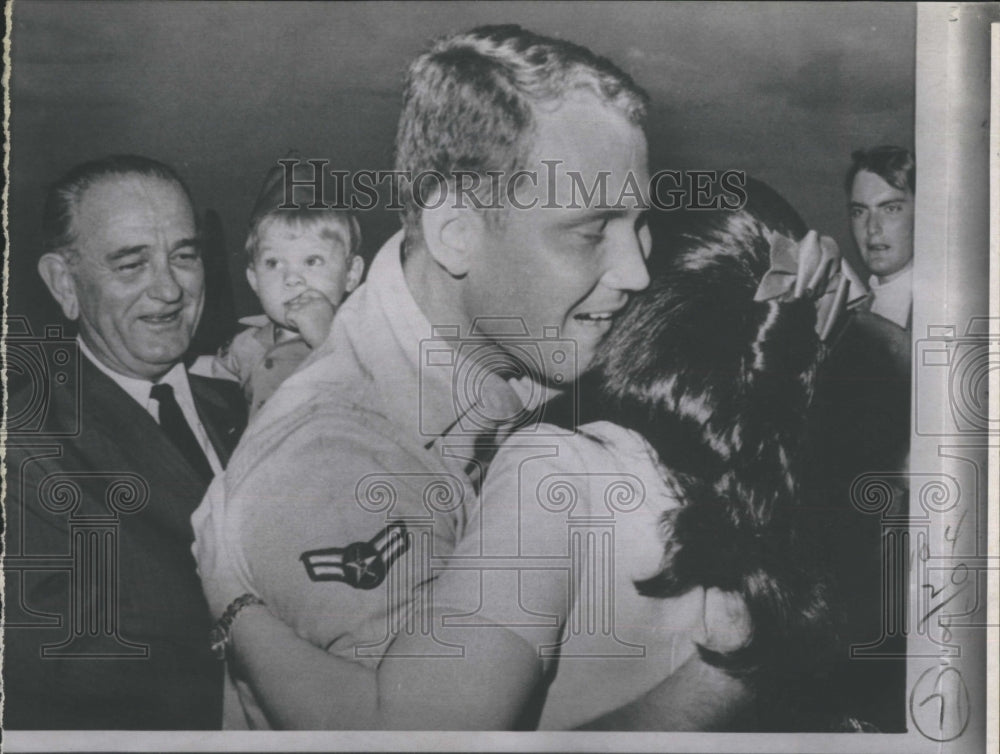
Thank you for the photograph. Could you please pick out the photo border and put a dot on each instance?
(943, 102)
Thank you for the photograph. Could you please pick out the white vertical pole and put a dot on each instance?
(953, 362)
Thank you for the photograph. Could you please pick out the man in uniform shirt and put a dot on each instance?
(360, 470)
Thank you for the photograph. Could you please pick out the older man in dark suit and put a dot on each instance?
(106, 624)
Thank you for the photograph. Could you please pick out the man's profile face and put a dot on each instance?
(882, 224)
(138, 273)
(569, 269)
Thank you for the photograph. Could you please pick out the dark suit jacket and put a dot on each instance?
(107, 626)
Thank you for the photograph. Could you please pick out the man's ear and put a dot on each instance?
(55, 271)
(451, 233)
(252, 277)
(354, 271)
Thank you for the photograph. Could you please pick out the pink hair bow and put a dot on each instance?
(813, 268)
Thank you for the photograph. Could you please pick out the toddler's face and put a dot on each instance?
(289, 262)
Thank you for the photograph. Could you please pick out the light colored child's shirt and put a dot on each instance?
(260, 358)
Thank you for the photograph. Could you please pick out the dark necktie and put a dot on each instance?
(179, 431)
(498, 411)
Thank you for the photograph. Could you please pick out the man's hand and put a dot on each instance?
(311, 313)
(221, 580)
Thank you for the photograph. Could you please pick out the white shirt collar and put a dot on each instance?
(905, 273)
(139, 391)
(135, 387)
(894, 299)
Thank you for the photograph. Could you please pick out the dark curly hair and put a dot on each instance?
(720, 385)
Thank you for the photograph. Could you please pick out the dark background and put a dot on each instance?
(221, 90)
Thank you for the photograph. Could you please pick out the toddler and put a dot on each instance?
(300, 263)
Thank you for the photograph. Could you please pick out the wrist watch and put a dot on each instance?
(221, 633)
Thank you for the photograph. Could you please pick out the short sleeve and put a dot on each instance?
(236, 359)
(334, 542)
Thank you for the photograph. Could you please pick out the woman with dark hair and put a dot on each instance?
(626, 561)
(717, 384)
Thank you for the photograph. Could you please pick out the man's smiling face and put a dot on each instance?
(137, 272)
(561, 268)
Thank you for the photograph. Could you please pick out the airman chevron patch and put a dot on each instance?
(362, 565)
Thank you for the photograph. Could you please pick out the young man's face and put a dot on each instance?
(289, 261)
(137, 274)
(564, 270)
(882, 223)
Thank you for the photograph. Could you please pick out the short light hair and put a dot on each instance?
(318, 222)
(63, 196)
(468, 104)
(894, 165)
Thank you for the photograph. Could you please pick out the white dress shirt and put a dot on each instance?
(139, 390)
(894, 299)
